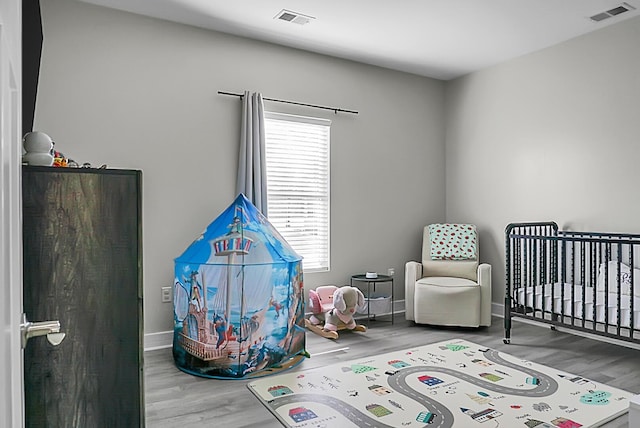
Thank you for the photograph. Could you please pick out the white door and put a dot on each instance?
(11, 371)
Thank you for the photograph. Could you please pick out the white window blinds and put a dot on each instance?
(297, 151)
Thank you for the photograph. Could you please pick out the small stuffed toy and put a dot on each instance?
(335, 307)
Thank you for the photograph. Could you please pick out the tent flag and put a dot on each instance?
(238, 298)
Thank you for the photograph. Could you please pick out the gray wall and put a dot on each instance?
(135, 92)
(548, 136)
(553, 135)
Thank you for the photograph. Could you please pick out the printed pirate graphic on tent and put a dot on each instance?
(238, 297)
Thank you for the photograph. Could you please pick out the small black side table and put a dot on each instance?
(361, 277)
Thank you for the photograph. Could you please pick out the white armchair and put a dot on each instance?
(447, 292)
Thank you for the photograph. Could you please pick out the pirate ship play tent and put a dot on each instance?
(238, 298)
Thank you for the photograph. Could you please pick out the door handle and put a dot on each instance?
(51, 329)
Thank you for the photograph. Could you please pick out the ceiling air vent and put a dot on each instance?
(294, 17)
(624, 7)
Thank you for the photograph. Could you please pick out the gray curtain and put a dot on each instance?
(252, 171)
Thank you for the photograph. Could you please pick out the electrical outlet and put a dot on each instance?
(391, 271)
(166, 294)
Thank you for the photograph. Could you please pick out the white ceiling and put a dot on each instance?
(443, 39)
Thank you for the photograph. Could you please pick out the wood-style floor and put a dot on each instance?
(176, 399)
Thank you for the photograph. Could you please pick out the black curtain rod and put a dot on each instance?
(334, 109)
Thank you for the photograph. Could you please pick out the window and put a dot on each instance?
(297, 152)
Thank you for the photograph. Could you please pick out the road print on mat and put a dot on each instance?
(454, 383)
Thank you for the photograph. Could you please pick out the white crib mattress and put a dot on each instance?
(563, 303)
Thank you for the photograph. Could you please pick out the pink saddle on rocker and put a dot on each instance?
(321, 299)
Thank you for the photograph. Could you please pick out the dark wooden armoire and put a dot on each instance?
(82, 252)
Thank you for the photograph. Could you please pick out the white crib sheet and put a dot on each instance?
(564, 304)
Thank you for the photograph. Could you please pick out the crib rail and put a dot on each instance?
(587, 281)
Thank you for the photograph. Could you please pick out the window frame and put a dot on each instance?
(275, 116)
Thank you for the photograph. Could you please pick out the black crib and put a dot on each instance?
(585, 281)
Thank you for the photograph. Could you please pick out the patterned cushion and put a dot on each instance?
(453, 241)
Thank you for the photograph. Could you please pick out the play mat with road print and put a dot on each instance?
(454, 383)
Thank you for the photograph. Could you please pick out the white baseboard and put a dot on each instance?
(159, 340)
(164, 339)
(498, 310)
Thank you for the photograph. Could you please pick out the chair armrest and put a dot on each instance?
(412, 273)
(484, 281)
